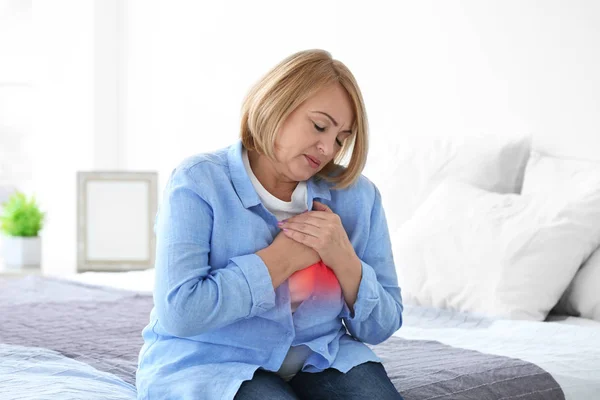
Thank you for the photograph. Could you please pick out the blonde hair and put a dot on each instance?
(284, 88)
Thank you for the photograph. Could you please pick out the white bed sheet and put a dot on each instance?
(569, 320)
(139, 281)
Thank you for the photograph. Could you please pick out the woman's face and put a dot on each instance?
(312, 134)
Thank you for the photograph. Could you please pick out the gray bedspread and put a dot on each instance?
(102, 328)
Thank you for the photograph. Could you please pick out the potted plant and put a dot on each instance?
(20, 223)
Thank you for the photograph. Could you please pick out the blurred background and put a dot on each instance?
(138, 85)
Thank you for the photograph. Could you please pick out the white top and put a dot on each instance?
(299, 289)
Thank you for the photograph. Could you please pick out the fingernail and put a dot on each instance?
(285, 230)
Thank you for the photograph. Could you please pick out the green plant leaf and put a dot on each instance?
(21, 216)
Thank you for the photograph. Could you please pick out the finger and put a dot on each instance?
(300, 237)
(311, 217)
(317, 206)
(303, 227)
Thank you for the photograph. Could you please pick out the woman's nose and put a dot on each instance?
(326, 147)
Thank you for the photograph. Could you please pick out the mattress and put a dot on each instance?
(61, 339)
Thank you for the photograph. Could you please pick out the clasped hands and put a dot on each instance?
(322, 231)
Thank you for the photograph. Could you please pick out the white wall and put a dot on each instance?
(15, 89)
(140, 84)
(427, 67)
(15, 94)
(63, 120)
(109, 94)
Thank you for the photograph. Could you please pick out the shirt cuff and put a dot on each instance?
(259, 282)
(367, 297)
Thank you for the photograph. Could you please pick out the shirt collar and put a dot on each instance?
(239, 177)
(317, 188)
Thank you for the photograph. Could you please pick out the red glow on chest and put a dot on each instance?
(317, 278)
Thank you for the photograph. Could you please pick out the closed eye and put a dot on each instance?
(319, 128)
(322, 129)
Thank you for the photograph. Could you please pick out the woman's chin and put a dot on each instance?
(300, 176)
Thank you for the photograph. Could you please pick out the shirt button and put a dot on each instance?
(314, 297)
(288, 334)
(322, 349)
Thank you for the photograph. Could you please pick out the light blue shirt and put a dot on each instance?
(216, 316)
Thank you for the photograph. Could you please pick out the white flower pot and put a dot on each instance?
(21, 251)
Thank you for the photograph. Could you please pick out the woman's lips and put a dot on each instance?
(313, 162)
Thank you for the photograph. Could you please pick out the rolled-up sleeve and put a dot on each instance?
(378, 306)
(190, 296)
(259, 282)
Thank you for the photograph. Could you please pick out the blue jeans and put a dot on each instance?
(365, 381)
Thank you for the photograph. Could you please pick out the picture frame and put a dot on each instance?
(115, 220)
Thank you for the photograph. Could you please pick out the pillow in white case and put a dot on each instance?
(568, 178)
(582, 298)
(563, 177)
(505, 255)
(408, 168)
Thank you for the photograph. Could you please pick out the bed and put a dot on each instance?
(54, 344)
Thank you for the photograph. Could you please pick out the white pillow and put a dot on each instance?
(505, 255)
(564, 177)
(582, 298)
(408, 168)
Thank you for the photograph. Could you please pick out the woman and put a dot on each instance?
(274, 263)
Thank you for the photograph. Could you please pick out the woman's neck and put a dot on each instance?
(266, 173)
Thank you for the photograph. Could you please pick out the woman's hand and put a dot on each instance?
(322, 230)
(300, 256)
(285, 256)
